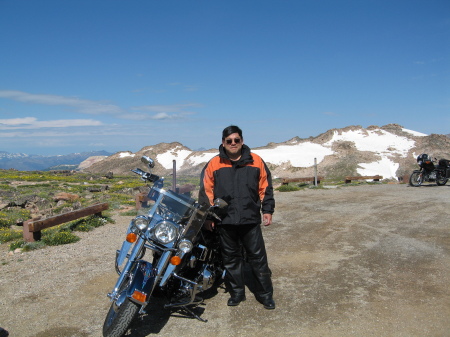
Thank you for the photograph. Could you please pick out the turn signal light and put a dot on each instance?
(175, 260)
(138, 296)
(131, 237)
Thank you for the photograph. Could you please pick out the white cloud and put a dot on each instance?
(81, 105)
(161, 112)
(173, 108)
(18, 121)
(140, 116)
(34, 123)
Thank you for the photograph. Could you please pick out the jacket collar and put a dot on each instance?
(246, 156)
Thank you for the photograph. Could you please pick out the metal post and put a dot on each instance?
(174, 176)
(315, 171)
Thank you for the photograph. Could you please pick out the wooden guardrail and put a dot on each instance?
(375, 178)
(32, 228)
(286, 181)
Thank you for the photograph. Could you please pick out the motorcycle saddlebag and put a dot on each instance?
(444, 163)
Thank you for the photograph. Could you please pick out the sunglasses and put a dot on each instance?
(236, 141)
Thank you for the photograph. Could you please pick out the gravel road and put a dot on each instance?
(369, 260)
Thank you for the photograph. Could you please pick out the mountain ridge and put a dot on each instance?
(33, 162)
(390, 151)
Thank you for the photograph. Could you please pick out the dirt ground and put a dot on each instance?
(370, 260)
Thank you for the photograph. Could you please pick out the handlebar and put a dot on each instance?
(146, 175)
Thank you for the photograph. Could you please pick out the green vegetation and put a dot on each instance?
(23, 194)
(13, 216)
(288, 188)
(53, 236)
(8, 235)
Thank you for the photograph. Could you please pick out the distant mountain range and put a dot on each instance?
(27, 162)
(389, 151)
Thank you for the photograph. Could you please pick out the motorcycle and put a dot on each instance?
(430, 172)
(181, 262)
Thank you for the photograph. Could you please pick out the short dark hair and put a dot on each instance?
(230, 130)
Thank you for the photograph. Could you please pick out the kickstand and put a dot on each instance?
(194, 314)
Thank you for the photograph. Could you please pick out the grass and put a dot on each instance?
(288, 188)
(54, 236)
(22, 189)
(12, 216)
(297, 187)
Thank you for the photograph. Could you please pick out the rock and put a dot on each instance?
(66, 197)
(77, 205)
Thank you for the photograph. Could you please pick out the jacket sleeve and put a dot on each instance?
(206, 193)
(266, 190)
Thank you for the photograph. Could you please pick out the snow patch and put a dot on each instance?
(379, 141)
(166, 159)
(126, 154)
(414, 133)
(385, 168)
(300, 155)
(202, 158)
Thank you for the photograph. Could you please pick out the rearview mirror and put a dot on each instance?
(148, 161)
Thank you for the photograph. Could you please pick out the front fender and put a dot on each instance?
(143, 281)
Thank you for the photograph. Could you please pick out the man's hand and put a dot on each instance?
(267, 219)
(209, 225)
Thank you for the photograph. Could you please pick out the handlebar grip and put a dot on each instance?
(138, 171)
(146, 175)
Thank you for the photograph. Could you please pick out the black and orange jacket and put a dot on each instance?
(246, 185)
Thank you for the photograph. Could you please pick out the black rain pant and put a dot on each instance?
(250, 236)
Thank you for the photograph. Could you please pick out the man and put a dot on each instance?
(242, 179)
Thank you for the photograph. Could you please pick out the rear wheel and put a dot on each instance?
(440, 180)
(416, 179)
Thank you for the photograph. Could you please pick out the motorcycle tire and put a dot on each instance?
(441, 181)
(416, 179)
(117, 322)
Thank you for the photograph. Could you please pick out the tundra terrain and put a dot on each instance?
(369, 260)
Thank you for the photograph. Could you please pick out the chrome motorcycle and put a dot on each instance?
(165, 254)
(429, 172)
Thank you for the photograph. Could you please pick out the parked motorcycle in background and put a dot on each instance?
(166, 253)
(429, 172)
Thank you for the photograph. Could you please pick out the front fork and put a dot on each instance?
(141, 276)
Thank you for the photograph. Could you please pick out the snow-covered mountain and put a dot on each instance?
(389, 151)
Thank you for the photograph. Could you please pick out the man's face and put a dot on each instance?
(233, 144)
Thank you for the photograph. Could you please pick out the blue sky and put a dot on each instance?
(120, 75)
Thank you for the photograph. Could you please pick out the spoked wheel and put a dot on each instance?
(416, 179)
(119, 318)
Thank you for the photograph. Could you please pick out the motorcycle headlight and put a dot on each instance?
(166, 231)
(185, 246)
(141, 222)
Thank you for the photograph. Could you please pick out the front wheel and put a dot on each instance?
(118, 319)
(416, 179)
